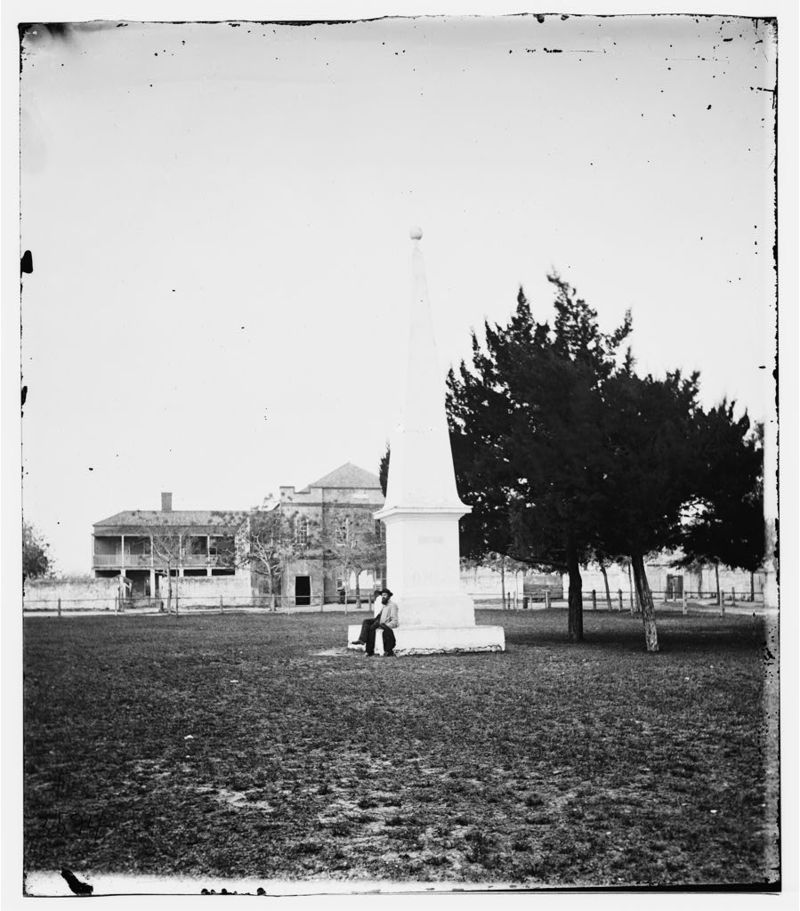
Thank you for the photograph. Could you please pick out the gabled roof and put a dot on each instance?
(147, 518)
(348, 475)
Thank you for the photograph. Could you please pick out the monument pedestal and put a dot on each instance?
(437, 640)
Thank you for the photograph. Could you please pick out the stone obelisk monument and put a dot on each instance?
(422, 505)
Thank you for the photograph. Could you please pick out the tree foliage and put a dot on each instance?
(565, 454)
(36, 560)
(526, 432)
(725, 521)
(649, 427)
(354, 543)
(166, 545)
(275, 537)
(383, 469)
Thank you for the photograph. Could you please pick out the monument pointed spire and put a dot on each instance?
(422, 473)
(422, 506)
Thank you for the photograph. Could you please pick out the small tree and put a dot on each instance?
(503, 564)
(166, 545)
(36, 559)
(355, 543)
(272, 542)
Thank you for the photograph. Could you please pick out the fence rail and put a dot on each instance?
(627, 600)
(592, 601)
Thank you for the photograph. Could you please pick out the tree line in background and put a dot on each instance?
(567, 455)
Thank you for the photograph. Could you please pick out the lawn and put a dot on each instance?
(228, 745)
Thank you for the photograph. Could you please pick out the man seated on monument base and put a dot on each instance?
(386, 620)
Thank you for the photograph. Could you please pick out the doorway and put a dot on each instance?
(674, 588)
(302, 590)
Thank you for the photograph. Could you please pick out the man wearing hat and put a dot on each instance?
(386, 620)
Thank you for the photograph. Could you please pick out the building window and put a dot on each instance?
(138, 546)
(342, 531)
(301, 530)
(220, 546)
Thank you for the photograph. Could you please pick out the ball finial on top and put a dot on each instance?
(415, 233)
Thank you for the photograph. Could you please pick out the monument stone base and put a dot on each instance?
(433, 640)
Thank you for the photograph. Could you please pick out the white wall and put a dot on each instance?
(196, 591)
(75, 594)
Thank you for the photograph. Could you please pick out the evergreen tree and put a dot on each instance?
(651, 471)
(383, 469)
(726, 521)
(527, 437)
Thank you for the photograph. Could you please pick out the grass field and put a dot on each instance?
(227, 745)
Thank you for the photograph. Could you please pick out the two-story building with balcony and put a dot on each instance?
(141, 547)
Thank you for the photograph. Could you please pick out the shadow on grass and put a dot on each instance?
(624, 632)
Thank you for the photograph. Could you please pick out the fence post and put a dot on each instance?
(594, 600)
(59, 607)
(221, 607)
(619, 590)
(547, 598)
(116, 604)
(722, 606)
(733, 596)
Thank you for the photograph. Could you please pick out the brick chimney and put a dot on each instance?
(166, 502)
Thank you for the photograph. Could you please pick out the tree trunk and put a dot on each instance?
(752, 587)
(645, 599)
(178, 574)
(605, 579)
(575, 596)
(503, 580)
(358, 591)
(716, 574)
(634, 597)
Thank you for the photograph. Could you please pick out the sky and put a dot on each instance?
(219, 220)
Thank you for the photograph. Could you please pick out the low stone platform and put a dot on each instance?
(432, 640)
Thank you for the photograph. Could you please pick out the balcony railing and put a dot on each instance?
(131, 560)
(144, 561)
